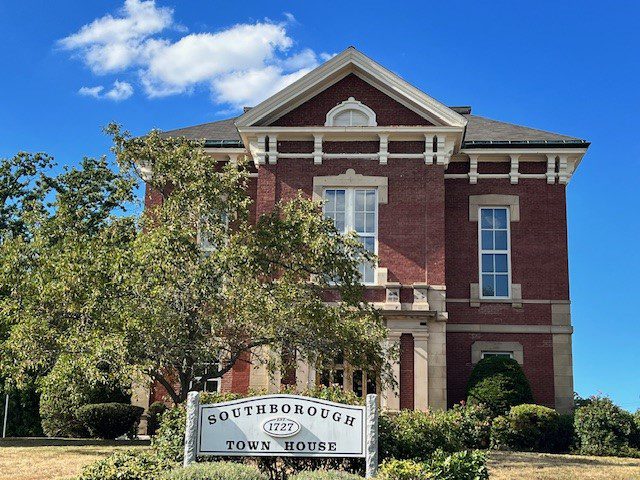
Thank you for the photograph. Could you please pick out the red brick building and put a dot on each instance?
(466, 214)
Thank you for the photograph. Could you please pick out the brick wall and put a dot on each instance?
(538, 363)
(314, 111)
(538, 241)
(539, 264)
(406, 371)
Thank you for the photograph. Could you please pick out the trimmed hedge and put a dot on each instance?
(127, 465)
(465, 465)
(499, 383)
(216, 471)
(532, 428)
(603, 428)
(109, 420)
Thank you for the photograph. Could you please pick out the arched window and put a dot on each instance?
(351, 113)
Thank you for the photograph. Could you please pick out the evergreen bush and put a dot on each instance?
(109, 420)
(499, 383)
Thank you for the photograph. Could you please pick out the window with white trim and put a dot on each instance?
(204, 238)
(494, 252)
(356, 210)
(496, 354)
(209, 385)
(351, 118)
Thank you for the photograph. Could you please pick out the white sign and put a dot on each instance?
(281, 425)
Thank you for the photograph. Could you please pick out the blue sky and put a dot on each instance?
(569, 67)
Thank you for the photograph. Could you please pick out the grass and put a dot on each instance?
(51, 463)
(58, 463)
(543, 466)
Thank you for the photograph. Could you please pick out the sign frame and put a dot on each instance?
(197, 414)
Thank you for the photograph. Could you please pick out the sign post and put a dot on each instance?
(282, 426)
(6, 415)
(191, 430)
(372, 436)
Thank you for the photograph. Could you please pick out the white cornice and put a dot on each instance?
(352, 61)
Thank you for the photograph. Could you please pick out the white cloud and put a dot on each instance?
(240, 65)
(119, 91)
(91, 91)
(110, 44)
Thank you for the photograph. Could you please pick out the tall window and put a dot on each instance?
(355, 209)
(204, 238)
(495, 261)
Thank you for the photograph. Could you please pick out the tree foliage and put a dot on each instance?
(87, 281)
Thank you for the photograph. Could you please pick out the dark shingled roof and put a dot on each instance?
(481, 132)
(214, 133)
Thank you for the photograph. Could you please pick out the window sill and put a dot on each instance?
(515, 300)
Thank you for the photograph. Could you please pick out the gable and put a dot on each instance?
(373, 78)
(313, 112)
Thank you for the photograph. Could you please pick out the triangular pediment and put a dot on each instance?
(347, 64)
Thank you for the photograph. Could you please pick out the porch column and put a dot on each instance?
(420, 370)
(390, 399)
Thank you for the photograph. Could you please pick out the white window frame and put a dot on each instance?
(351, 104)
(204, 386)
(349, 220)
(203, 242)
(494, 252)
(496, 353)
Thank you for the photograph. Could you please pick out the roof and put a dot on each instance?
(481, 132)
(485, 132)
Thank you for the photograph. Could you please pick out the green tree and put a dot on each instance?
(259, 291)
(119, 295)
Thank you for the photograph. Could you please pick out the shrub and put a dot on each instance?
(64, 390)
(156, 409)
(469, 426)
(634, 439)
(499, 383)
(216, 471)
(532, 428)
(403, 470)
(466, 465)
(109, 420)
(127, 465)
(169, 440)
(413, 435)
(325, 475)
(603, 428)
(416, 435)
